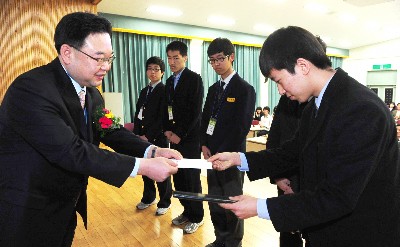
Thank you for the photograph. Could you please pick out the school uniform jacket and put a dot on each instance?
(349, 171)
(186, 101)
(151, 124)
(233, 119)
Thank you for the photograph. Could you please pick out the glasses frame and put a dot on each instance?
(220, 59)
(153, 69)
(100, 60)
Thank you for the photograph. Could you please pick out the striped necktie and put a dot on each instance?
(82, 95)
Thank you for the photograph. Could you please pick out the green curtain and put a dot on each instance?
(128, 71)
(336, 62)
(273, 94)
(245, 64)
(207, 73)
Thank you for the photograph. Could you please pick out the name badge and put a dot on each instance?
(231, 100)
(170, 115)
(140, 115)
(211, 126)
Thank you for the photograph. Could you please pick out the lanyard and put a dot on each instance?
(217, 104)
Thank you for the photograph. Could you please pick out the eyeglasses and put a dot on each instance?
(100, 60)
(153, 69)
(219, 60)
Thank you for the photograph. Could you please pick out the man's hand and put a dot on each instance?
(168, 134)
(157, 169)
(244, 208)
(167, 153)
(144, 138)
(206, 152)
(223, 161)
(175, 139)
(284, 185)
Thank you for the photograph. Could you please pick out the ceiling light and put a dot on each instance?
(220, 20)
(316, 7)
(267, 29)
(161, 10)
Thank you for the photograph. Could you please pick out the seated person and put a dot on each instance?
(258, 114)
(265, 122)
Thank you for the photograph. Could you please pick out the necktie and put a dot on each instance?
(82, 95)
(221, 89)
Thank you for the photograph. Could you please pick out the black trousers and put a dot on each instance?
(189, 180)
(164, 191)
(228, 228)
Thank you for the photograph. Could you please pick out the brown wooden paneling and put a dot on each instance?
(27, 31)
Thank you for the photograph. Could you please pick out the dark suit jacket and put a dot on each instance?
(234, 117)
(47, 153)
(152, 121)
(186, 101)
(349, 171)
(283, 128)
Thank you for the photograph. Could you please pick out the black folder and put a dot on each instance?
(201, 197)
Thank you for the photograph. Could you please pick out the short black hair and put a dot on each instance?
(178, 46)
(284, 46)
(156, 60)
(74, 28)
(220, 45)
(267, 108)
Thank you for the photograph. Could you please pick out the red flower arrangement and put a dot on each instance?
(105, 121)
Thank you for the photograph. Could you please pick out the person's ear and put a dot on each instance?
(304, 65)
(232, 57)
(66, 54)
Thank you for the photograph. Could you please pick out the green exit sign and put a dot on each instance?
(387, 66)
(376, 66)
(382, 66)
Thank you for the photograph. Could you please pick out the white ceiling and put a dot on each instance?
(280, 13)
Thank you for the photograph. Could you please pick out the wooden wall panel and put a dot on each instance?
(27, 30)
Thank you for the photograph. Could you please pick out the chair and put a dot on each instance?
(129, 126)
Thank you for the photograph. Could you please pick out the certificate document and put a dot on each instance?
(193, 163)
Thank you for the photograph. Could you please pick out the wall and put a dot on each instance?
(27, 31)
(361, 59)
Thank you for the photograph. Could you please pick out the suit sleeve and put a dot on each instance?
(195, 101)
(205, 117)
(43, 121)
(156, 124)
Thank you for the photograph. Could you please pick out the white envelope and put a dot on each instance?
(193, 163)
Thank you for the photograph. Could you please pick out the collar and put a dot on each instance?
(76, 85)
(228, 78)
(318, 99)
(155, 84)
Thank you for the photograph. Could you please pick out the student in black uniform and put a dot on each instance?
(226, 120)
(148, 126)
(184, 95)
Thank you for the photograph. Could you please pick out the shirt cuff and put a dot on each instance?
(147, 150)
(262, 209)
(244, 167)
(136, 168)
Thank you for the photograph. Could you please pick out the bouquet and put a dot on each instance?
(105, 121)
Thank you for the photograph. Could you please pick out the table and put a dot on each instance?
(255, 129)
(256, 143)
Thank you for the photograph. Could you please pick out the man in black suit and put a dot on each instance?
(184, 95)
(49, 139)
(148, 126)
(226, 120)
(349, 168)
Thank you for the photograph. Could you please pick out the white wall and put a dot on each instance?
(361, 59)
